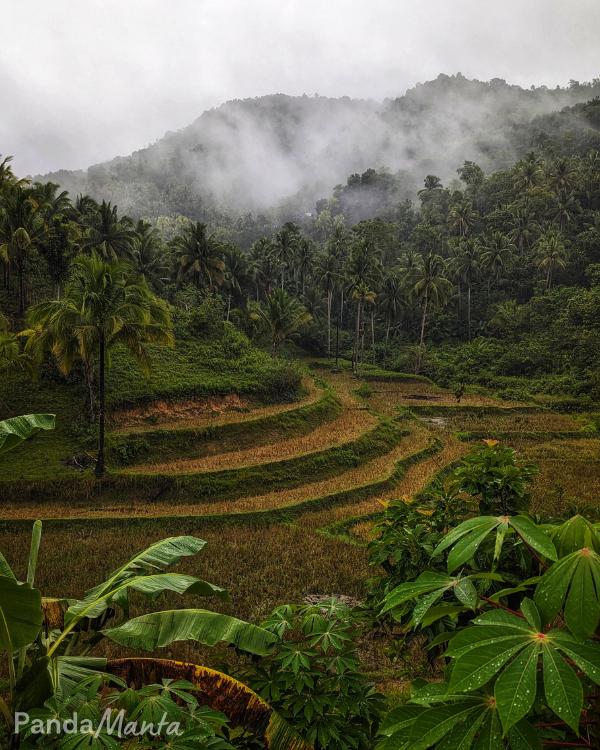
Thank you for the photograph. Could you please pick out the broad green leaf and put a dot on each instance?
(157, 556)
(515, 688)
(534, 536)
(575, 533)
(504, 619)
(424, 584)
(465, 549)
(399, 717)
(490, 737)
(436, 722)
(17, 429)
(440, 611)
(5, 569)
(524, 737)
(562, 687)
(470, 638)
(465, 592)
(151, 585)
(586, 657)
(36, 536)
(159, 629)
(582, 609)
(20, 614)
(472, 524)
(572, 583)
(531, 613)
(425, 604)
(475, 667)
(462, 736)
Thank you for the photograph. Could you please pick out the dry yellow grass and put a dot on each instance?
(370, 471)
(569, 474)
(353, 421)
(511, 422)
(416, 478)
(203, 412)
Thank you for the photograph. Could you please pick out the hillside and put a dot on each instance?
(254, 154)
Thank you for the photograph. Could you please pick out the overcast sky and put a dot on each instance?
(84, 81)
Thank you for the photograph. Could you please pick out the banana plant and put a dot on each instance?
(15, 430)
(49, 642)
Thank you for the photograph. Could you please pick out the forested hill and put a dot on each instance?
(282, 150)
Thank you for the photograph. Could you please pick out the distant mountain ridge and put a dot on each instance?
(254, 154)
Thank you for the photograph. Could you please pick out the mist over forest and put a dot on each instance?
(279, 154)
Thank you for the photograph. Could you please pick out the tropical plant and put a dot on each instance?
(199, 257)
(104, 305)
(105, 234)
(282, 317)
(432, 288)
(312, 676)
(48, 642)
(15, 430)
(551, 254)
(524, 607)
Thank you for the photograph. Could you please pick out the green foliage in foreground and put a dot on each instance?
(48, 644)
(518, 604)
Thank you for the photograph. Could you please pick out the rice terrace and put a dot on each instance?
(300, 403)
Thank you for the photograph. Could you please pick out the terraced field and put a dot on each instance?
(285, 495)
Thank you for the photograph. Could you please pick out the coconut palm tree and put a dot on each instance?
(108, 235)
(285, 244)
(551, 254)
(528, 172)
(104, 304)
(282, 317)
(562, 176)
(466, 266)
(432, 288)
(199, 257)
(496, 253)
(523, 228)
(147, 256)
(21, 226)
(363, 295)
(391, 301)
(461, 217)
(566, 209)
(328, 277)
(237, 274)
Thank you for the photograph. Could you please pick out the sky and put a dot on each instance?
(81, 82)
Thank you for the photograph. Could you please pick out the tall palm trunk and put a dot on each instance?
(228, 306)
(329, 303)
(385, 343)
(423, 319)
(357, 336)
(373, 334)
(469, 310)
(21, 272)
(422, 338)
(99, 471)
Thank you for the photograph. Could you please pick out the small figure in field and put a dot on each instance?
(459, 392)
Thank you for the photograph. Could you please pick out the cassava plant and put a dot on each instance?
(522, 665)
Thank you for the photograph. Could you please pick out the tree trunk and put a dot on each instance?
(356, 337)
(329, 301)
(228, 306)
(373, 334)
(89, 380)
(423, 318)
(385, 344)
(101, 413)
(469, 310)
(21, 288)
(422, 338)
